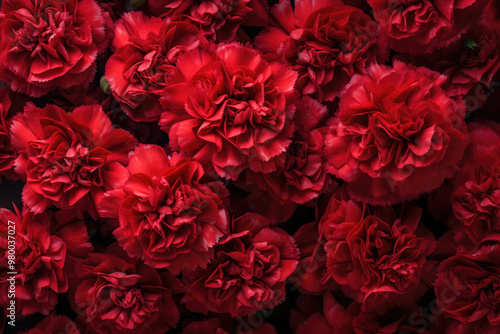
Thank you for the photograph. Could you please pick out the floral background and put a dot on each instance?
(250, 166)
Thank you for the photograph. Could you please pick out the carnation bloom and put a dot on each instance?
(55, 324)
(475, 198)
(218, 19)
(248, 272)
(68, 158)
(146, 53)
(419, 26)
(169, 216)
(230, 110)
(115, 294)
(220, 326)
(326, 41)
(469, 63)
(377, 255)
(39, 262)
(467, 291)
(301, 173)
(50, 43)
(396, 135)
(8, 154)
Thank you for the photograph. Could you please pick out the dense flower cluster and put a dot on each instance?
(250, 166)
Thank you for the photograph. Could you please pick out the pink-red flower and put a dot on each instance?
(377, 255)
(396, 135)
(326, 41)
(51, 43)
(115, 294)
(146, 53)
(218, 19)
(419, 26)
(68, 158)
(248, 272)
(170, 216)
(230, 110)
(38, 259)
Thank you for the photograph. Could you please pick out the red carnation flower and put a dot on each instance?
(249, 270)
(326, 41)
(230, 110)
(467, 291)
(38, 260)
(419, 26)
(397, 134)
(146, 53)
(469, 63)
(8, 154)
(218, 19)
(220, 326)
(115, 294)
(475, 198)
(377, 255)
(51, 43)
(68, 158)
(168, 215)
(301, 174)
(55, 324)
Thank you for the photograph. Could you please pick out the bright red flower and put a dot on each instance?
(39, 261)
(218, 19)
(146, 53)
(377, 255)
(396, 135)
(467, 291)
(326, 42)
(419, 26)
(50, 43)
(68, 158)
(169, 215)
(248, 272)
(55, 324)
(231, 110)
(115, 294)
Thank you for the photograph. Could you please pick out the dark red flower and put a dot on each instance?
(115, 294)
(218, 19)
(467, 291)
(377, 255)
(396, 135)
(68, 158)
(231, 110)
(146, 53)
(39, 260)
(248, 272)
(419, 26)
(475, 197)
(326, 41)
(169, 216)
(220, 326)
(50, 43)
(55, 324)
